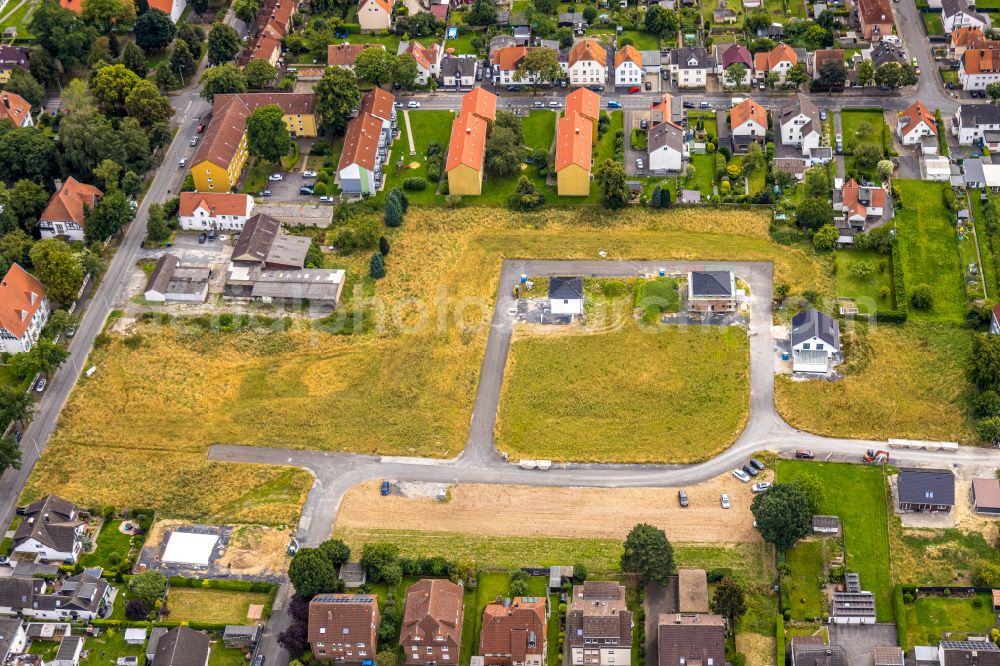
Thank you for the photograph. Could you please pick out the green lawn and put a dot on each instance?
(192, 604)
(941, 557)
(605, 148)
(17, 16)
(391, 41)
(463, 43)
(704, 174)
(928, 617)
(491, 585)
(985, 246)
(223, 656)
(7, 378)
(643, 41)
(852, 119)
(427, 127)
(928, 248)
(932, 22)
(539, 128)
(802, 588)
(865, 292)
(110, 540)
(107, 647)
(857, 495)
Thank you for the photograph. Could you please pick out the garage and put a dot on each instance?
(986, 496)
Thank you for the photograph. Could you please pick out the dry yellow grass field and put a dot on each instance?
(136, 432)
(909, 383)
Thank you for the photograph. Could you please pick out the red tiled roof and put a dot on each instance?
(378, 103)
(13, 107)
(344, 55)
(747, 110)
(916, 113)
(627, 52)
(509, 57)
(507, 630)
(384, 4)
(67, 204)
(361, 142)
(423, 54)
(977, 61)
(20, 297)
(574, 137)
(823, 56)
(851, 193)
(217, 203)
(165, 6)
(433, 609)
(872, 12)
(481, 102)
(468, 142)
(585, 102)
(768, 60)
(588, 49)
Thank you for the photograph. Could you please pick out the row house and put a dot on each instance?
(367, 143)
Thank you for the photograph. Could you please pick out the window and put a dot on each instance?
(430, 650)
(322, 630)
(807, 346)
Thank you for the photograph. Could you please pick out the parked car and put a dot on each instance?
(212, 234)
(639, 164)
(40, 386)
(71, 331)
(822, 115)
(758, 464)
(200, 128)
(749, 469)
(385, 488)
(274, 177)
(555, 104)
(193, 141)
(682, 497)
(326, 199)
(760, 486)
(479, 75)
(614, 104)
(649, 85)
(413, 105)
(741, 475)
(688, 105)
(644, 124)
(258, 660)
(538, 104)
(725, 501)
(805, 454)
(703, 104)
(305, 189)
(264, 193)
(202, 237)
(513, 88)
(634, 89)
(762, 85)
(597, 88)
(308, 174)
(182, 163)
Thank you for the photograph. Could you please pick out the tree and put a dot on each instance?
(504, 145)
(987, 574)
(223, 44)
(191, 35)
(246, 10)
(404, 71)
(42, 66)
(526, 196)
(921, 297)
(539, 66)
(375, 66)
(736, 74)
(889, 75)
(312, 572)
(907, 75)
(483, 13)
(383, 246)
(154, 31)
(546, 7)
(989, 429)
(797, 75)
(57, 268)
(25, 85)
(148, 586)
(812, 489)
(377, 558)
(814, 213)
(135, 143)
(420, 24)
(729, 600)
(337, 95)
(109, 216)
(267, 134)
(884, 169)
(107, 174)
(61, 33)
(157, 230)
(984, 362)
(107, 14)
(15, 247)
(336, 550)
(10, 453)
(260, 73)
(866, 73)
(198, 6)
(661, 22)
(610, 177)
(393, 211)
(825, 238)
(771, 79)
(223, 79)
(136, 610)
(111, 85)
(27, 152)
(295, 638)
(181, 62)
(135, 59)
(648, 554)
(146, 104)
(15, 405)
(376, 266)
(782, 514)
(45, 356)
(832, 74)
(867, 154)
(993, 90)
(26, 201)
(754, 158)
(518, 582)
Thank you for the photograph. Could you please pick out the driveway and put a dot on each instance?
(658, 599)
(632, 120)
(858, 640)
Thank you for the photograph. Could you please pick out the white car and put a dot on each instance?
(275, 177)
(760, 486)
(194, 141)
(555, 105)
(183, 163)
(741, 475)
(308, 174)
(725, 501)
(326, 199)
(413, 105)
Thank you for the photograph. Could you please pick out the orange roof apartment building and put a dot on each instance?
(514, 632)
(23, 310)
(467, 147)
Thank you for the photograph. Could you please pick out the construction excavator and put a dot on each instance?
(873, 457)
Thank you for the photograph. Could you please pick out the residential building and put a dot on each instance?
(505, 63)
(574, 148)
(711, 291)
(692, 591)
(723, 14)
(431, 631)
(821, 57)
(222, 155)
(172, 8)
(80, 597)
(18, 593)
(926, 489)
(588, 63)
(374, 15)
(728, 56)
(973, 122)
(969, 653)
(958, 13)
(24, 309)
(860, 207)
(428, 60)
(587, 104)
(514, 632)
(748, 122)
(566, 296)
(875, 18)
(12, 57)
(915, 123)
(599, 625)
(458, 72)
(968, 37)
(14, 108)
(986, 492)
(661, 110)
(64, 216)
(689, 67)
(628, 67)
(200, 211)
(779, 60)
(691, 639)
(815, 653)
(367, 143)
(343, 628)
(170, 281)
(978, 68)
(69, 652)
(885, 52)
(815, 341)
(667, 148)
(467, 148)
(13, 638)
(51, 529)
(800, 125)
(346, 54)
(182, 646)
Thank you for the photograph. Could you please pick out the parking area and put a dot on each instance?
(287, 189)
(859, 640)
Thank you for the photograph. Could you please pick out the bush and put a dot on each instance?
(376, 266)
(136, 610)
(921, 297)
(319, 189)
(415, 184)
(361, 235)
(393, 212)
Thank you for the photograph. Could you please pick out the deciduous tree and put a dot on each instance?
(24, 84)
(27, 152)
(375, 66)
(404, 71)
(483, 13)
(259, 73)
(222, 79)
(147, 105)
(337, 95)
(736, 74)
(223, 44)
(267, 134)
(10, 453)
(648, 554)
(782, 514)
(135, 59)
(814, 214)
(109, 216)
(154, 31)
(181, 60)
(729, 600)
(107, 14)
(312, 572)
(148, 586)
(610, 177)
(26, 201)
(539, 66)
(44, 356)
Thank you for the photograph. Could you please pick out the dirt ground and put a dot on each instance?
(253, 550)
(759, 649)
(598, 513)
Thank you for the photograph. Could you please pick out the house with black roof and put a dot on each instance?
(711, 291)
(458, 72)
(51, 531)
(181, 646)
(566, 296)
(815, 341)
(926, 489)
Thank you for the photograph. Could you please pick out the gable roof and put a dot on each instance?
(574, 140)
(628, 52)
(566, 287)
(951, 8)
(712, 283)
(812, 323)
(17, 592)
(914, 115)
(509, 57)
(877, 11)
(481, 102)
(978, 61)
(433, 608)
(682, 58)
(225, 132)
(468, 142)
(800, 105)
(384, 4)
(424, 55)
(354, 615)
(823, 56)
(694, 638)
(21, 295)
(159, 279)
(52, 521)
(67, 205)
(512, 629)
(818, 655)
(181, 646)
(256, 238)
(584, 102)
(597, 610)
(13, 107)
(745, 111)
(857, 199)
(216, 203)
(969, 653)
(736, 54)
(666, 134)
(765, 61)
(973, 115)
(344, 55)
(361, 142)
(378, 103)
(588, 49)
(926, 486)
(987, 491)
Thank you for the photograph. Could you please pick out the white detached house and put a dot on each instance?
(588, 63)
(800, 124)
(815, 342)
(214, 210)
(23, 310)
(51, 530)
(566, 296)
(628, 67)
(915, 123)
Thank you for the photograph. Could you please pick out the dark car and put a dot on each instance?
(21, 511)
(212, 234)
(202, 237)
(258, 660)
(305, 189)
(514, 88)
(804, 453)
(597, 88)
(750, 469)
(385, 488)
(264, 193)
(682, 497)
(758, 464)
(688, 105)
(643, 124)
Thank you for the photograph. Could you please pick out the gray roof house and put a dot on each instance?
(566, 295)
(181, 646)
(70, 648)
(969, 653)
(926, 489)
(804, 654)
(155, 634)
(666, 147)
(51, 529)
(170, 281)
(12, 638)
(711, 291)
(815, 340)
(884, 52)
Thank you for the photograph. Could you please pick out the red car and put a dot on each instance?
(200, 128)
(633, 90)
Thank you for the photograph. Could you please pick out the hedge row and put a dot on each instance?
(779, 639)
(231, 585)
(897, 603)
(899, 315)
(202, 626)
